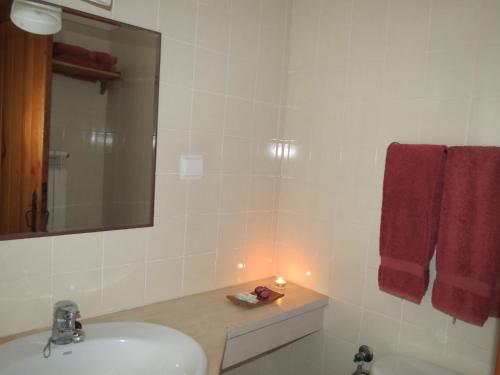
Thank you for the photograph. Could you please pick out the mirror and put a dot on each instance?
(78, 116)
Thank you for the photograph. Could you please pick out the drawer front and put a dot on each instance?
(251, 344)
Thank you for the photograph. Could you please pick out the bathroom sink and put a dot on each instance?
(112, 348)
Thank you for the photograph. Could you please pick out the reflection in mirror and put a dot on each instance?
(79, 127)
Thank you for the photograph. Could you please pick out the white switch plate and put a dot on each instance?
(191, 167)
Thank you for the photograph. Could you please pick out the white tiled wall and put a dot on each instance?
(362, 74)
(221, 77)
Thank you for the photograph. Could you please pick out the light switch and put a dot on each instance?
(191, 166)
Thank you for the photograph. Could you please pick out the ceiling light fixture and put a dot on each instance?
(36, 18)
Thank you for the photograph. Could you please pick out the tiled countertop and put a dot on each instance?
(210, 318)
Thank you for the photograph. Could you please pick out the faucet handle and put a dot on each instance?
(65, 315)
(66, 328)
(67, 306)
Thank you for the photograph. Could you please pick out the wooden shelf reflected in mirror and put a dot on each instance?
(85, 72)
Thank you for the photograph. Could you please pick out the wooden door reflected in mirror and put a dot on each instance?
(78, 116)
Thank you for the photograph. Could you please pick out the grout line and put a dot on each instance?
(158, 15)
(427, 58)
(146, 256)
(218, 93)
(470, 108)
(190, 145)
(251, 149)
(103, 244)
(223, 135)
(51, 290)
(285, 58)
(401, 314)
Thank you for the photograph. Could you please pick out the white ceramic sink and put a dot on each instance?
(109, 349)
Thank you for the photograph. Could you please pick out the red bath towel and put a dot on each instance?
(85, 57)
(87, 63)
(60, 48)
(468, 253)
(410, 212)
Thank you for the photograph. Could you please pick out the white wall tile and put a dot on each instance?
(228, 269)
(178, 19)
(213, 29)
(381, 332)
(369, 29)
(242, 76)
(378, 301)
(175, 109)
(123, 287)
(232, 232)
(25, 258)
(211, 71)
(166, 238)
(455, 24)
(484, 127)
(208, 144)
(487, 81)
(204, 195)
(77, 253)
(343, 320)
(450, 74)
(201, 235)
(236, 157)
(124, 247)
(199, 273)
(144, 16)
(19, 301)
(489, 26)
(177, 63)
(164, 280)
(170, 195)
(239, 118)
(171, 143)
(234, 195)
(208, 111)
(334, 32)
(245, 25)
(409, 26)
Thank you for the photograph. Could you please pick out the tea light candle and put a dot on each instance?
(280, 282)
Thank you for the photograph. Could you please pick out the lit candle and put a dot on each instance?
(280, 283)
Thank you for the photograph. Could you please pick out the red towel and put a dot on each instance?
(468, 253)
(88, 63)
(71, 50)
(410, 212)
(104, 58)
(84, 55)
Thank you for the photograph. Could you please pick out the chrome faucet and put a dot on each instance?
(65, 328)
